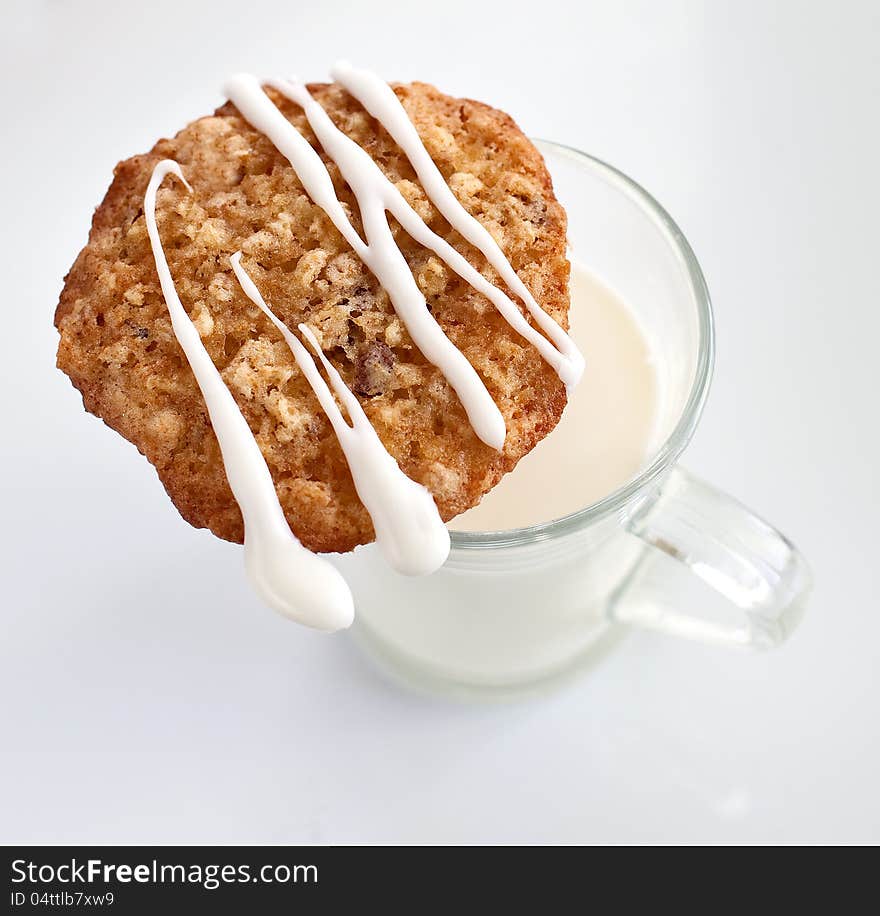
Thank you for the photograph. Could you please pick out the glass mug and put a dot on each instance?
(512, 610)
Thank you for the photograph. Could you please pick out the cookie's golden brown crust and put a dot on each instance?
(118, 348)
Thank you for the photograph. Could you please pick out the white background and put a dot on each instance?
(144, 693)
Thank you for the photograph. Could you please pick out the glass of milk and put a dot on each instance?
(598, 528)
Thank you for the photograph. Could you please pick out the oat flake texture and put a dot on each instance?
(118, 348)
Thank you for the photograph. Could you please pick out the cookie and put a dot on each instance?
(118, 348)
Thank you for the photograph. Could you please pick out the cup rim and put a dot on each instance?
(681, 435)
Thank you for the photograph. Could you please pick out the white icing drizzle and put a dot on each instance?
(380, 252)
(289, 578)
(409, 530)
(379, 99)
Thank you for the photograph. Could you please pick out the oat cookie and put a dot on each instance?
(118, 348)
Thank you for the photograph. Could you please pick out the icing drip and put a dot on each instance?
(409, 531)
(289, 578)
(380, 100)
(380, 252)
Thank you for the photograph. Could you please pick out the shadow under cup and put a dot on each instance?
(512, 609)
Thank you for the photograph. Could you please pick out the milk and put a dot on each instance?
(520, 609)
(607, 431)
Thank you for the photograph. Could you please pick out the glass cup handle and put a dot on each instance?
(712, 570)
